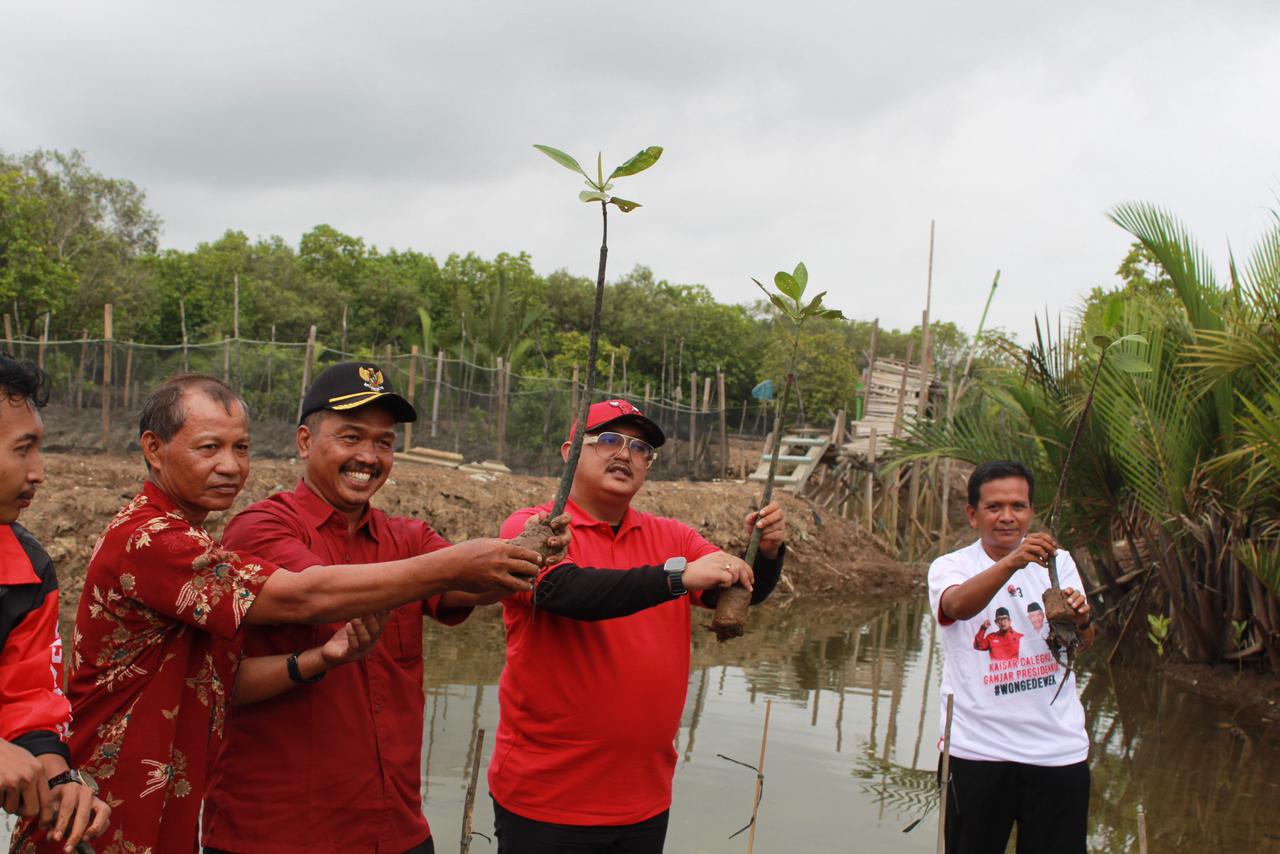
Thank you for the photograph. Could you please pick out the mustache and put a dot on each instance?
(27, 494)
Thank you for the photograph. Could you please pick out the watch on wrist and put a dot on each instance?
(72, 775)
(674, 568)
(296, 675)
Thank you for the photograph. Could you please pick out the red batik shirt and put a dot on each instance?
(335, 766)
(148, 691)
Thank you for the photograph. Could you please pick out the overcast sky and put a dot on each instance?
(830, 133)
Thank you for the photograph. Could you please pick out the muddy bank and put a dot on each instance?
(828, 554)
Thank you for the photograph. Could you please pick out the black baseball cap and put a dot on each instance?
(351, 385)
(1002, 612)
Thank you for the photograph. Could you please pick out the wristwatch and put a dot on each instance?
(674, 568)
(296, 675)
(72, 775)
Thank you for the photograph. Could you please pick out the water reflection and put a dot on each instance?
(853, 740)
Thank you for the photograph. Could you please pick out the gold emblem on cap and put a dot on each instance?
(372, 378)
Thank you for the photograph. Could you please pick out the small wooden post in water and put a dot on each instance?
(755, 809)
(1142, 830)
(946, 776)
(470, 802)
(106, 374)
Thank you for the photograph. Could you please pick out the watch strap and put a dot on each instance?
(296, 675)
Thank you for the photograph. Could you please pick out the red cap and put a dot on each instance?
(607, 412)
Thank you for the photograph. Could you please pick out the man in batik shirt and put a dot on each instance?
(149, 690)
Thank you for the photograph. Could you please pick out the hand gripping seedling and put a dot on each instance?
(731, 608)
(1064, 636)
(535, 535)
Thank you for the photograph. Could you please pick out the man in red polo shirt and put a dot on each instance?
(332, 765)
(595, 680)
(148, 684)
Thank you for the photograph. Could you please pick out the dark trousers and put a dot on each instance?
(427, 847)
(1050, 805)
(519, 835)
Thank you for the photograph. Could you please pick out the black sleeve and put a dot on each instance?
(584, 593)
(40, 742)
(767, 573)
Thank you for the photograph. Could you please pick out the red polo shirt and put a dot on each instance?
(589, 710)
(147, 682)
(333, 766)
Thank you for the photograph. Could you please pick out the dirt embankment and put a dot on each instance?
(828, 555)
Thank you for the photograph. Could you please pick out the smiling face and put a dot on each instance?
(1003, 622)
(1037, 619)
(1003, 514)
(348, 455)
(21, 467)
(203, 467)
(604, 484)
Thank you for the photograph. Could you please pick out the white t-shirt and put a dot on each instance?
(1003, 681)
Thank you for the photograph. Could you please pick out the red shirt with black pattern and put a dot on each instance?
(148, 689)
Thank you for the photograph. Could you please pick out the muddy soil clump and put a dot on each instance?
(827, 555)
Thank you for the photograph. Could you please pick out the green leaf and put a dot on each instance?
(624, 205)
(1103, 341)
(1113, 311)
(1132, 336)
(777, 300)
(639, 163)
(593, 196)
(1129, 363)
(814, 306)
(801, 275)
(786, 283)
(831, 314)
(563, 159)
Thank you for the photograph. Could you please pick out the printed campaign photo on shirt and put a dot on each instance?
(1017, 660)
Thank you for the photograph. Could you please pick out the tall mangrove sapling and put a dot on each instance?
(731, 609)
(599, 190)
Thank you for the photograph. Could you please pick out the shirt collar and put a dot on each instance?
(319, 512)
(582, 519)
(157, 496)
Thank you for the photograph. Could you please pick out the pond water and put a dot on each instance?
(852, 748)
(852, 753)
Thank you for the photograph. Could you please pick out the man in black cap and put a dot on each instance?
(333, 765)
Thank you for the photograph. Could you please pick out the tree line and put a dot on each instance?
(72, 239)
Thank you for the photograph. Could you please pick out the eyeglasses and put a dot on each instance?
(608, 445)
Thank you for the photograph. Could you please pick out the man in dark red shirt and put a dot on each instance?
(1001, 645)
(596, 676)
(284, 781)
(36, 780)
(148, 684)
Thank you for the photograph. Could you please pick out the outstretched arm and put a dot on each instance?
(266, 676)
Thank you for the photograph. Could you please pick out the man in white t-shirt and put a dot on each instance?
(1017, 756)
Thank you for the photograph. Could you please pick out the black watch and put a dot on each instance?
(674, 568)
(72, 775)
(296, 675)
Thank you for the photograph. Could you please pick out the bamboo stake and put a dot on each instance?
(270, 354)
(84, 354)
(1142, 830)
(226, 359)
(8, 334)
(706, 394)
(693, 421)
(106, 375)
(724, 433)
(413, 370)
(235, 327)
(182, 317)
(946, 776)
(44, 340)
(128, 371)
(501, 426)
(573, 395)
(306, 368)
(470, 802)
(435, 393)
(755, 808)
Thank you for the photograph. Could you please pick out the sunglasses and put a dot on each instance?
(608, 444)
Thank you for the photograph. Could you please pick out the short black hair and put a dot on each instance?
(163, 412)
(23, 381)
(996, 470)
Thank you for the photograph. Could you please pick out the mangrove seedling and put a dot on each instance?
(1159, 632)
(599, 189)
(731, 608)
(1064, 638)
